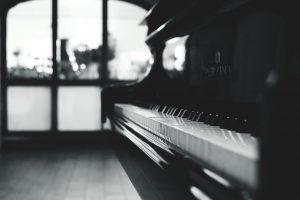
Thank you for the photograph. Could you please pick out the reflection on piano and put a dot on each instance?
(218, 108)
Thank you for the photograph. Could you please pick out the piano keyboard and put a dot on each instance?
(232, 154)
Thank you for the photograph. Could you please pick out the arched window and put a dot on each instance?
(126, 37)
(55, 61)
(29, 36)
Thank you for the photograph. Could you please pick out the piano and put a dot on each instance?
(219, 106)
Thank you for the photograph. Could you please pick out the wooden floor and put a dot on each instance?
(82, 167)
(64, 174)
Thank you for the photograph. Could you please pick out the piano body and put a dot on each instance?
(218, 108)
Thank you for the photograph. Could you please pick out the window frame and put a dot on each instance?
(54, 82)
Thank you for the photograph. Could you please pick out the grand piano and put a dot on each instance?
(219, 106)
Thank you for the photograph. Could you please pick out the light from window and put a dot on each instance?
(80, 39)
(129, 55)
(29, 40)
(79, 108)
(29, 108)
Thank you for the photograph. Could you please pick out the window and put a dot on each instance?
(29, 47)
(79, 108)
(55, 61)
(129, 55)
(174, 57)
(79, 39)
(29, 108)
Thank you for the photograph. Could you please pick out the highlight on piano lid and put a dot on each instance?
(149, 99)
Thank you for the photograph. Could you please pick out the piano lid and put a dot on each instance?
(189, 16)
(164, 10)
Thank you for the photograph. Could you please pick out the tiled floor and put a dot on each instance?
(64, 174)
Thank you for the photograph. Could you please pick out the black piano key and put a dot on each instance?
(195, 116)
(208, 119)
(184, 114)
(170, 110)
(153, 107)
(180, 112)
(200, 117)
(160, 109)
(157, 108)
(167, 110)
(235, 124)
(174, 111)
(226, 122)
(216, 120)
(191, 115)
(245, 126)
(164, 109)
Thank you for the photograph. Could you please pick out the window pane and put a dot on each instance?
(29, 108)
(29, 40)
(174, 58)
(128, 54)
(79, 108)
(80, 38)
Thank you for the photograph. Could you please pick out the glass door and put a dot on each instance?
(60, 53)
